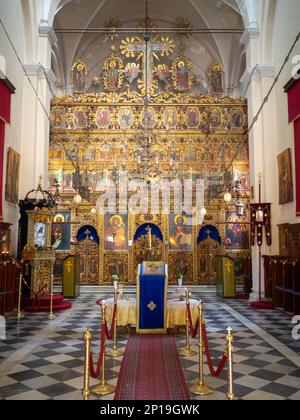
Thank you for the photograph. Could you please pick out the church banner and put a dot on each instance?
(151, 298)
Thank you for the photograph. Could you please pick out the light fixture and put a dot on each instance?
(227, 197)
(77, 199)
(203, 212)
(240, 207)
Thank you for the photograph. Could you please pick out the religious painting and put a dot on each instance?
(215, 77)
(113, 74)
(72, 152)
(79, 76)
(102, 117)
(90, 153)
(285, 174)
(170, 118)
(153, 268)
(40, 234)
(162, 73)
(81, 118)
(67, 183)
(237, 118)
(180, 236)
(125, 118)
(12, 176)
(131, 72)
(55, 177)
(55, 151)
(241, 174)
(58, 117)
(192, 117)
(61, 231)
(216, 118)
(148, 118)
(116, 227)
(180, 265)
(237, 231)
(181, 74)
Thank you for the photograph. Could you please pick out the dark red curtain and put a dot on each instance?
(2, 131)
(5, 95)
(297, 163)
(6, 89)
(294, 101)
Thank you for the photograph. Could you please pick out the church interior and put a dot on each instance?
(150, 200)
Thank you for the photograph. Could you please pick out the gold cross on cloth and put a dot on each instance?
(228, 267)
(152, 306)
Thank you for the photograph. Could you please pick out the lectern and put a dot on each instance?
(152, 288)
(225, 277)
(71, 277)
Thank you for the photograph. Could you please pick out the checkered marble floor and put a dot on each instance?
(42, 359)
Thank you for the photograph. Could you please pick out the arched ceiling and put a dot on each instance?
(201, 48)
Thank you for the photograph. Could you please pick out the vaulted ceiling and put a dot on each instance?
(201, 48)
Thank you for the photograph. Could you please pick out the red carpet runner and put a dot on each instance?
(151, 370)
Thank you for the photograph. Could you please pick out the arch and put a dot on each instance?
(81, 234)
(268, 24)
(214, 234)
(142, 231)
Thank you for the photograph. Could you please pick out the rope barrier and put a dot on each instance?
(96, 372)
(36, 294)
(110, 334)
(216, 373)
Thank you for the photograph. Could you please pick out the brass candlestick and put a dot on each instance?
(103, 388)
(19, 314)
(115, 352)
(200, 388)
(51, 315)
(86, 378)
(229, 339)
(187, 351)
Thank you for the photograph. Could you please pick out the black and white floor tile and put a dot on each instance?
(42, 359)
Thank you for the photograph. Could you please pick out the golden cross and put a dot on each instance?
(149, 230)
(151, 306)
(69, 266)
(228, 267)
(208, 232)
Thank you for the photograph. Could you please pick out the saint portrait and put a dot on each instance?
(182, 75)
(216, 118)
(237, 231)
(39, 234)
(103, 118)
(192, 117)
(67, 183)
(148, 118)
(131, 72)
(237, 118)
(79, 73)
(125, 118)
(180, 233)
(12, 176)
(80, 119)
(61, 231)
(163, 74)
(113, 74)
(170, 118)
(286, 193)
(58, 117)
(115, 232)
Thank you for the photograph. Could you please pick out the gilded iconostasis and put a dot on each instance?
(144, 116)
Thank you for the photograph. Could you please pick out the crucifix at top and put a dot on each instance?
(147, 49)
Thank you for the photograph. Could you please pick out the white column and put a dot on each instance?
(262, 142)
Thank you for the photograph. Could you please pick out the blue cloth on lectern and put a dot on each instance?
(152, 301)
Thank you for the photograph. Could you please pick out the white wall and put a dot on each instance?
(12, 16)
(28, 133)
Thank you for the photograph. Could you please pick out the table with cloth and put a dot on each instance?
(126, 313)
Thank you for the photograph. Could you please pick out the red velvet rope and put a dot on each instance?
(110, 334)
(95, 373)
(36, 294)
(193, 330)
(222, 362)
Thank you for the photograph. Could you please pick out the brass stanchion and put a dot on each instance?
(200, 388)
(103, 388)
(229, 339)
(187, 351)
(51, 315)
(115, 352)
(19, 314)
(86, 379)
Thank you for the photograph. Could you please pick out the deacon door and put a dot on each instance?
(207, 251)
(88, 251)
